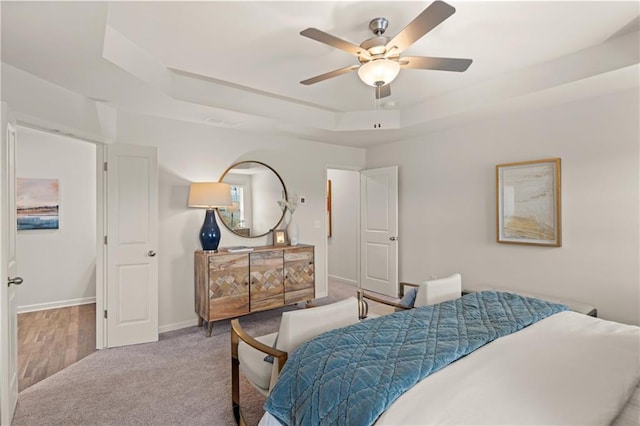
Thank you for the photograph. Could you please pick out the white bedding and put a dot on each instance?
(568, 369)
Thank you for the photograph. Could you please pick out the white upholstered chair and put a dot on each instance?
(440, 290)
(426, 293)
(248, 353)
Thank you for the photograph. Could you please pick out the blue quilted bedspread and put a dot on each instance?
(349, 376)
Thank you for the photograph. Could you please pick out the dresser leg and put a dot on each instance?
(200, 321)
(209, 328)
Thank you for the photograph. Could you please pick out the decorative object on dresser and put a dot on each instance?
(279, 237)
(293, 232)
(229, 285)
(290, 205)
(528, 203)
(255, 189)
(238, 249)
(209, 195)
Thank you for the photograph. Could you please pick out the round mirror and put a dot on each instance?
(255, 191)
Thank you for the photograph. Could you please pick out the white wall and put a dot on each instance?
(190, 152)
(343, 245)
(58, 266)
(448, 214)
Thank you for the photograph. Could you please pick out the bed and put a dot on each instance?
(567, 368)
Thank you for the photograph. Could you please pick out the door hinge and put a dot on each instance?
(106, 240)
(105, 314)
(105, 167)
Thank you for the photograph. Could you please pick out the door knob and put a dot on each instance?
(393, 238)
(151, 253)
(15, 281)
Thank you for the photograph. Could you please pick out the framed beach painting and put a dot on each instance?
(37, 203)
(528, 203)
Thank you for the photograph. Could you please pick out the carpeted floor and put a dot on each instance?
(183, 379)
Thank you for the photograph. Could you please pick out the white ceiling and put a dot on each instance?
(238, 64)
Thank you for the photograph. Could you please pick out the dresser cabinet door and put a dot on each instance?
(299, 275)
(267, 287)
(228, 285)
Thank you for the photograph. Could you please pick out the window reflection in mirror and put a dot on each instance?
(255, 191)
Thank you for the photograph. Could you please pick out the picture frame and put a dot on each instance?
(280, 237)
(528, 203)
(37, 204)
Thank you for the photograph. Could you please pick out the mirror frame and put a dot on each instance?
(284, 187)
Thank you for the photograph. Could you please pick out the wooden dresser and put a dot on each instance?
(229, 285)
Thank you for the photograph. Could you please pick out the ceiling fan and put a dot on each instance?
(379, 56)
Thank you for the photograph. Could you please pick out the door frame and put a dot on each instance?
(101, 249)
(9, 317)
(100, 206)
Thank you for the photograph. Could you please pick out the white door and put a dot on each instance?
(9, 279)
(379, 230)
(131, 309)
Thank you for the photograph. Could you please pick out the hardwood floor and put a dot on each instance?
(53, 339)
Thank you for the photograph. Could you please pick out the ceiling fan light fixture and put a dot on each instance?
(379, 72)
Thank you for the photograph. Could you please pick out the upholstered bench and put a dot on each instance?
(575, 306)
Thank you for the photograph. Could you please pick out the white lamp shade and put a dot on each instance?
(209, 195)
(379, 72)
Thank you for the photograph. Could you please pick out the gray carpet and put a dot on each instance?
(183, 379)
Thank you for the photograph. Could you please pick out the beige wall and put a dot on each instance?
(448, 213)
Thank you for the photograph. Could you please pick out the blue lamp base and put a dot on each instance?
(210, 232)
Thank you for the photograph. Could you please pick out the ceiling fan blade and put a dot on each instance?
(329, 75)
(333, 41)
(441, 64)
(430, 18)
(384, 91)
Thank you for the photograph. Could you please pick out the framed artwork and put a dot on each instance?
(37, 203)
(329, 224)
(528, 203)
(279, 237)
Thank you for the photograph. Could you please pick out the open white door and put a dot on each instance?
(131, 309)
(9, 280)
(379, 230)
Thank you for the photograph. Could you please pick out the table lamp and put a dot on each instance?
(209, 195)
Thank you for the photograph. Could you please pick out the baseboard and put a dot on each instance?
(55, 305)
(177, 326)
(347, 281)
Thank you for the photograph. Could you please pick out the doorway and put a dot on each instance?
(56, 302)
(343, 230)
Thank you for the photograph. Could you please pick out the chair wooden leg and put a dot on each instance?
(235, 379)
(209, 329)
(363, 306)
